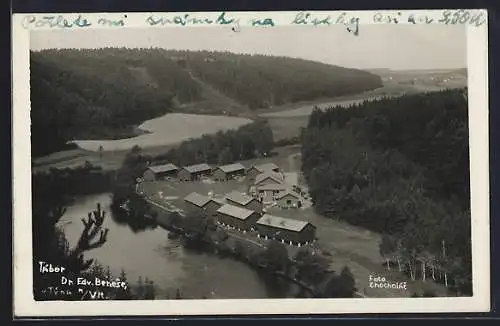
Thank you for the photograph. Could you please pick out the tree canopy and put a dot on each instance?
(105, 93)
(400, 167)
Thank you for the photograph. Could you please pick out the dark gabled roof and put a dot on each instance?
(282, 223)
(197, 168)
(235, 211)
(163, 168)
(239, 198)
(231, 167)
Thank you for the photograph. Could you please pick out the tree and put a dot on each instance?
(194, 225)
(124, 294)
(56, 249)
(387, 248)
(275, 257)
(311, 266)
(93, 236)
(337, 286)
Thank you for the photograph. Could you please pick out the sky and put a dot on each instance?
(399, 47)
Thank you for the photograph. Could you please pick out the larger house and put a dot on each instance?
(269, 177)
(245, 201)
(196, 203)
(160, 172)
(289, 231)
(227, 172)
(236, 217)
(269, 192)
(261, 168)
(194, 172)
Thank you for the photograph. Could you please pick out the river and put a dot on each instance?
(149, 253)
(307, 109)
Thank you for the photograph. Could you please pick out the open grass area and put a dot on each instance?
(358, 249)
(75, 158)
(287, 127)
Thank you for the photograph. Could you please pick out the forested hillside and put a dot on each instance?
(104, 93)
(399, 167)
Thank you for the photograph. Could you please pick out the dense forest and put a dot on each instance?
(399, 167)
(105, 93)
(224, 147)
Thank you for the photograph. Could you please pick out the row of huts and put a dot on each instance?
(269, 183)
(245, 213)
(195, 172)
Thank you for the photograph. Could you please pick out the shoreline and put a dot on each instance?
(226, 250)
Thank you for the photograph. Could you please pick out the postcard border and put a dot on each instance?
(24, 304)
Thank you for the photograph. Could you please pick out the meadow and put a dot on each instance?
(168, 129)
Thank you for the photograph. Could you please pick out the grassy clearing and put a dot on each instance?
(358, 249)
(169, 129)
(287, 127)
(58, 157)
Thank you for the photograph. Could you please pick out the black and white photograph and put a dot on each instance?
(280, 162)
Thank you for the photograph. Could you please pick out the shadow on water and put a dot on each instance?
(135, 222)
(275, 287)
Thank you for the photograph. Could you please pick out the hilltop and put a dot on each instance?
(107, 93)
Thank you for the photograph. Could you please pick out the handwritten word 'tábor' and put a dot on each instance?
(187, 19)
(55, 22)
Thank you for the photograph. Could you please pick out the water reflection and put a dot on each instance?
(144, 250)
(135, 223)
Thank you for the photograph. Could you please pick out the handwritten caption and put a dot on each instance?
(81, 287)
(351, 22)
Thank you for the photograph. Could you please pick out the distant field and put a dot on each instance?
(286, 121)
(169, 129)
(287, 127)
(58, 157)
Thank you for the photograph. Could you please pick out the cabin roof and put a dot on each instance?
(269, 174)
(288, 192)
(163, 168)
(235, 211)
(266, 167)
(231, 167)
(197, 199)
(197, 168)
(273, 186)
(282, 223)
(239, 198)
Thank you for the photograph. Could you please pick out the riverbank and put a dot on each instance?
(218, 240)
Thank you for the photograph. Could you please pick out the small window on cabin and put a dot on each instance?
(288, 201)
